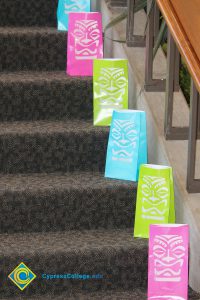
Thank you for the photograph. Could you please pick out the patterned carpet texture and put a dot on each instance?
(58, 214)
(32, 48)
(44, 95)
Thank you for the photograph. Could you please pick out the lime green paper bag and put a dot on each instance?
(155, 198)
(110, 88)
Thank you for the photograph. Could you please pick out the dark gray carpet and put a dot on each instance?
(32, 48)
(44, 146)
(137, 294)
(29, 95)
(114, 254)
(28, 13)
(52, 202)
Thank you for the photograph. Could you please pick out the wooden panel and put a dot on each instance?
(189, 15)
(183, 19)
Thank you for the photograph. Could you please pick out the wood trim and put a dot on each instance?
(171, 13)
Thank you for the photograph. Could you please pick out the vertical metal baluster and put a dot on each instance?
(152, 85)
(156, 20)
(177, 70)
(172, 84)
(198, 120)
(149, 47)
(171, 48)
(132, 40)
(193, 185)
(130, 22)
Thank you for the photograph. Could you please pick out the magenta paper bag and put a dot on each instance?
(85, 42)
(168, 262)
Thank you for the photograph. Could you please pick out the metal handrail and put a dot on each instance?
(170, 84)
(118, 3)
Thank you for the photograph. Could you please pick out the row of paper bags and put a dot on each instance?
(127, 160)
(127, 145)
(168, 243)
(127, 151)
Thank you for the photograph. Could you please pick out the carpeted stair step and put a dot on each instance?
(29, 48)
(113, 254)
(28, 13)
(28, 96)
(52, 146)
(58, 202)
(44, 146)
(136, 294)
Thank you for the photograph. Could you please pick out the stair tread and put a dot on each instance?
(65, 201)
(115, 254)
(100, 241)
(61, 181)
(52, 146)
(46, 95)
(7, 30)
(27, 13)
(137, 294)
(29, 76)
(48, 127)
(32, 48)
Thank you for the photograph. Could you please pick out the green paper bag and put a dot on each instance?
(110, 89)
(155, 198)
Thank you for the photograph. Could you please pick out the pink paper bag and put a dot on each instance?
(168, 262)
(85, 42)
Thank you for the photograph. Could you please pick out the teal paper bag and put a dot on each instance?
(110, 89)
(127, 145)
(155, 198)
(67, 6)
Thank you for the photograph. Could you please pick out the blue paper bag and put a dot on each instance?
(67, 6)
(127, 145)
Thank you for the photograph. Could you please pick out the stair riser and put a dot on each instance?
(125, 268)
(32, 51)
(28, 13)
(67, 210)
(45, 100)
(53, 152)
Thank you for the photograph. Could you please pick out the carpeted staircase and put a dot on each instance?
(58, 214)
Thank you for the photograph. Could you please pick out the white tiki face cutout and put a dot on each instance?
(168, 252)
(112, 82)
(125, 137)
(155, 197)
(75, 5)
(167, 298)
(87, 39)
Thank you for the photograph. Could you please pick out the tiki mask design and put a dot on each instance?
(155, 197)
(75, 5)
(113, 84)
(87, 39)
(168, 252)
(167, 298)
(125, 137)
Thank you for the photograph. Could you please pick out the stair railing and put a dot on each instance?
(118, 3)
(178, 45)
(132, 40)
